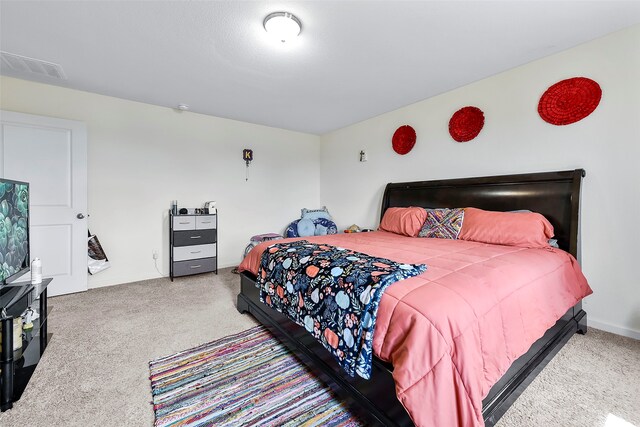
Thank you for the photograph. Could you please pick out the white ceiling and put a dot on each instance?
(353, 60)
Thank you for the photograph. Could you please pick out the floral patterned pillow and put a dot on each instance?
(442, 223)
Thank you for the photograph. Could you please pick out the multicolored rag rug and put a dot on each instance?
(246, 379)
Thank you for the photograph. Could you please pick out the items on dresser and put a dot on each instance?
(193, 243)
(210, 207)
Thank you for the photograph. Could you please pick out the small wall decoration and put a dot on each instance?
(247, 156)
(404, 138)
(466, 124)
(569, 101)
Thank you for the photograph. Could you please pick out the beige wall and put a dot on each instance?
(516, 140)
(142, 156)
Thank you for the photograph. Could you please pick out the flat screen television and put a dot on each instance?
(14, 230)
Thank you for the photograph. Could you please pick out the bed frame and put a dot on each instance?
(556, 195)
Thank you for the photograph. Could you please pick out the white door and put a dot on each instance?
(51, 155)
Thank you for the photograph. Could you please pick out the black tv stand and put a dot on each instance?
(18, 366)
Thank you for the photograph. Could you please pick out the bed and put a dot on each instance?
(556, 195)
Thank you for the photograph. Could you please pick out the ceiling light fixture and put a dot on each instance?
(283, 26)
(183, 107)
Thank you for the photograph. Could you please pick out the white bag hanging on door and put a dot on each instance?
(97, 259)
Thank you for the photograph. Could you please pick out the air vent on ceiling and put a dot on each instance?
(23, 64)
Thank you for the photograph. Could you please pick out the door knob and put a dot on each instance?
(80, 216)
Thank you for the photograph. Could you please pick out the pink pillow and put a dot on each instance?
(524, 229)
(405, 221)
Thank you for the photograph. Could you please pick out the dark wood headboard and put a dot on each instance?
(556, 195)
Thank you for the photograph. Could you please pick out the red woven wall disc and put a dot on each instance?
(404, 139)
(466, 123)
(569, 101)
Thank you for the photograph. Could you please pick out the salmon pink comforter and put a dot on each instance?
(451, 332)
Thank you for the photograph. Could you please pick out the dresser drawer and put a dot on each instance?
(181, 253)
(206, 222)
(194, 266)
(184, 222)
(194, 237)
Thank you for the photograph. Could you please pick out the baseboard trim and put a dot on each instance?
(104, 285)
(618, 330)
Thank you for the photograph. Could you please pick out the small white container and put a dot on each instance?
(36, 271)
(17, 333)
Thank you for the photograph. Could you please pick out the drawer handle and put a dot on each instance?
(196, 266)
(185, 223)
(195, 252)
(206, 222)
(196, 237)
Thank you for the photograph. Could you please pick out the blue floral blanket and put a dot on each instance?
(333, 292)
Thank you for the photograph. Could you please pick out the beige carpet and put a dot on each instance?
(95, 371)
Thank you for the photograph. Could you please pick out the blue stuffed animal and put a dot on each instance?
(316, 222)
